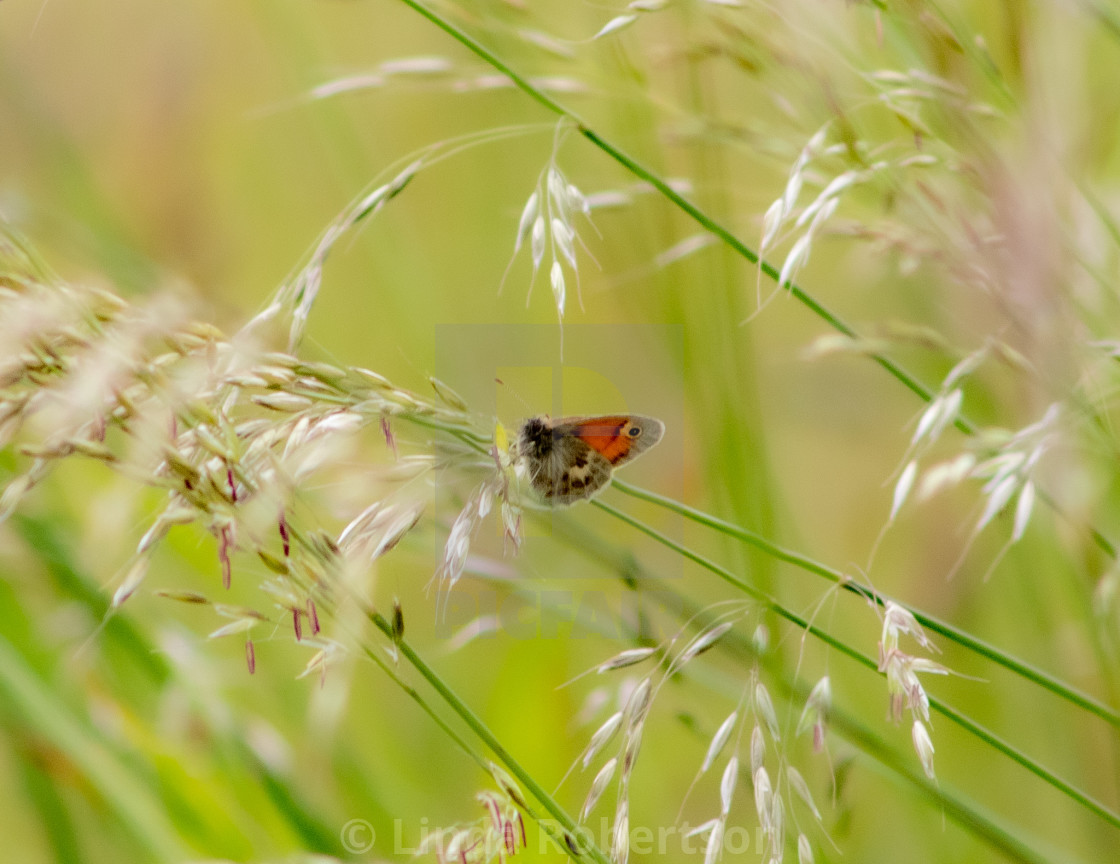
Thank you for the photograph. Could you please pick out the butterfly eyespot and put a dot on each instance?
(634, 431)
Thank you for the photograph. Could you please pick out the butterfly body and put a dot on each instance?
(570, 459)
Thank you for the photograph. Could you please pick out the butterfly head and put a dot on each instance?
(535, 439)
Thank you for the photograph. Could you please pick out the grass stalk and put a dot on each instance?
(573, 838)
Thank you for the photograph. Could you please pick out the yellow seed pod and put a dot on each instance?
(501, 439)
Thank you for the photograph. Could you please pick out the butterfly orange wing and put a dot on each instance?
(607, 436)
(617, 438)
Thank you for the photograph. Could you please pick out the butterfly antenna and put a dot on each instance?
(527, 409)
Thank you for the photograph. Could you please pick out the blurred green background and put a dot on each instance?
(175, 148)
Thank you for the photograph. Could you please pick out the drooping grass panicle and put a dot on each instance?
(547, 222)
(903, 685)
(232, 435)
(627, 725)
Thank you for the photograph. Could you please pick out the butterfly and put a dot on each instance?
(571, 459)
